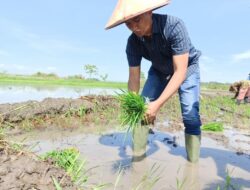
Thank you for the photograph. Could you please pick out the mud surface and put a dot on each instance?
(220, 152)
(18, 112)
(21, 171)
(109, 152)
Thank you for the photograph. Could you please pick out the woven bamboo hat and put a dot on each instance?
(127, 9)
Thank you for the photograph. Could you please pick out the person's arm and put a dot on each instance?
(180, 63)
(134, 79)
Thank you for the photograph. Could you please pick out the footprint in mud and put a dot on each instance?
(168, 141)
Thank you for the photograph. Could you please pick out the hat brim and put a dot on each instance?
(121, 21)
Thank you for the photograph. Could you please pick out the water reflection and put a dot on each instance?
(190, 178)
(112, 151)
(13, 94)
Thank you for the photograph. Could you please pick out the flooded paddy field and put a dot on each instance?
(108, 152)
(91, 125)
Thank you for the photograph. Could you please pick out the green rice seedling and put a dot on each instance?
(1, 133)
(215, 127)
(149, 179)
(27, 125)
(56, 183)
(17, 146)
(133, 108)
(5, 125)
(81, 111)
(229, 184)
(180, 183)
(69, 160)
(120, 173)
(70, 112)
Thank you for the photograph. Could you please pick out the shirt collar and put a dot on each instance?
(155, 28)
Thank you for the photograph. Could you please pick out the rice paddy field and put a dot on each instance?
(82, 143)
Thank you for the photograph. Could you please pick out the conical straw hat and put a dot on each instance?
(127, 9)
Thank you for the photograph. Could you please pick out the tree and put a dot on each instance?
(104, 77)
(90, 70)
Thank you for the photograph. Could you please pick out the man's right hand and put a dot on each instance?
(148, 121)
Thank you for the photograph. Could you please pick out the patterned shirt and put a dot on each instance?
(243, 84)
(169, 38)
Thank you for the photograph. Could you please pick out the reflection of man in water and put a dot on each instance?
(164, 41)
(241, 90)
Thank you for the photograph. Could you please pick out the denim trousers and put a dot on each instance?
(189, 96)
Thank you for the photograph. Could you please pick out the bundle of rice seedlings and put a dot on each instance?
(133, 108)
(215, 127)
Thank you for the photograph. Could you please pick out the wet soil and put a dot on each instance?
(17, 112)
(21, 170)
(66, 116)
(110, 151)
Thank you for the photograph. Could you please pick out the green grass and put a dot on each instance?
(150, 178)
(56, 81)
(56, 184)
(215, 86)
(51, 79)
(215, 127)
(229, 185)
(69, 160)
(224, 109)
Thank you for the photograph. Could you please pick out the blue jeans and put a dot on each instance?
(189, 93)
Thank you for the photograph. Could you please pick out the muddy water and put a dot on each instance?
(109, 152)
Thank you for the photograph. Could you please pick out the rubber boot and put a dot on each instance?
(192, 143)
(238, 102)
(140, 137)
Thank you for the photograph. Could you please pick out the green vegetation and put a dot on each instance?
(149, 179)
(214, 86)
(133, 109)
(57, 184)
(223, 109)
(46, 75)
(229, 185)
(146, 182)
(53, 80)
(90, 70)
(69, 160)
(215, 127)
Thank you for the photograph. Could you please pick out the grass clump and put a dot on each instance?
(133, 108)
(69, 160)
(215, 127)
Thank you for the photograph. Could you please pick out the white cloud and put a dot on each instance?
(242, 56)
(2, 65)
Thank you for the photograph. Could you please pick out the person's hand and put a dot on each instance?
(152, 110)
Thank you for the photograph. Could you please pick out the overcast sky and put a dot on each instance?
(61, 36)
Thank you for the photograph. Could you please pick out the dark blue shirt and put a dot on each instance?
(169, 38)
